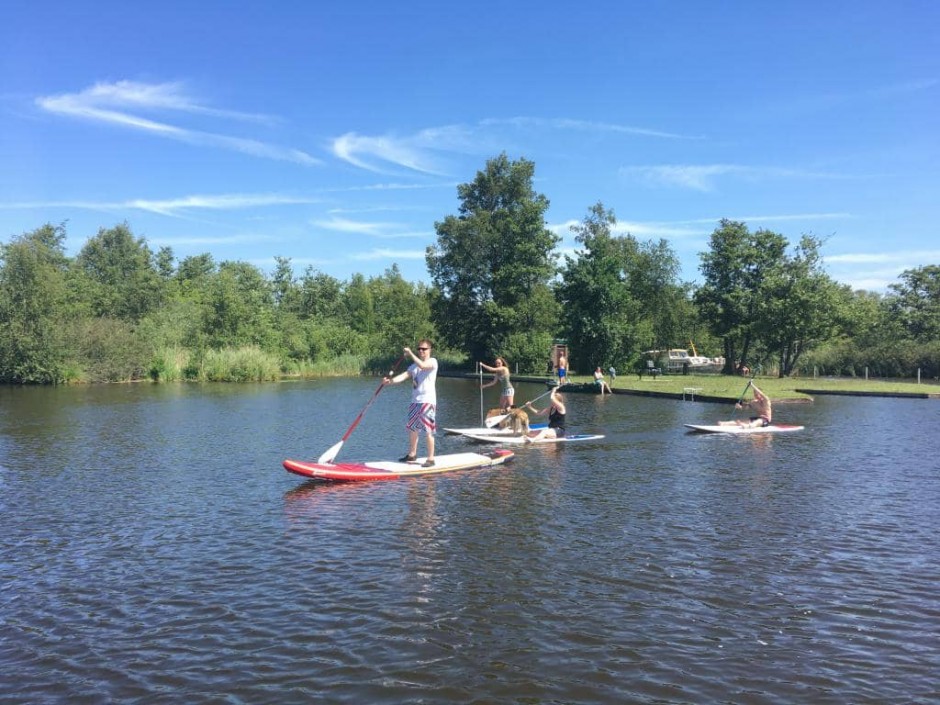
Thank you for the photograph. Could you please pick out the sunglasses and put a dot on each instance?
(424, 348)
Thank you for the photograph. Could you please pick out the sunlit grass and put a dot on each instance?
(731, 387)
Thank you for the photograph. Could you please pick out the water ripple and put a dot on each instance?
(153, 551)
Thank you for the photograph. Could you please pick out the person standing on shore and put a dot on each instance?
(423, 407)
(562, 368)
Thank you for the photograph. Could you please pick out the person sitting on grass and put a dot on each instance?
(599, 382)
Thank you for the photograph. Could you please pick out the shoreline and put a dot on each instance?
(694, 388)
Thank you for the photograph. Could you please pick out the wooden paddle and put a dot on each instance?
(330, 455)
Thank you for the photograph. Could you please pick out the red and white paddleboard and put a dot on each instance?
(392, 470)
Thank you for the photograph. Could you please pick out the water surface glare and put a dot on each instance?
(153, 550)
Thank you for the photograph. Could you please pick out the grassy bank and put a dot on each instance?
(777, 389)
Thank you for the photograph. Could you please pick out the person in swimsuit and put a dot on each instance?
(562, 369)
(422, 410)
(556, 417)
(600, 383)
(760, 405)
(501, 374)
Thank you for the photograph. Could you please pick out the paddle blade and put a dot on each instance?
(494, 420)
(330, 454)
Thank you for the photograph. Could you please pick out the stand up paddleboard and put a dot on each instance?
(391, 470)
(772, 428)
(521, 440)
(487, 431)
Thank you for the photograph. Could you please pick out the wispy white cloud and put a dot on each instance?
(873, 94)
(120, 104)
(426, 151)
(371, 228)
(901, 256)
(702, 177)
(639, 230)
(200, 240)
(218, 202)
(380, 254)
(585, 126)
(876, 271)
(174, 206)
(373, 153)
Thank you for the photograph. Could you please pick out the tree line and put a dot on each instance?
(120, 311)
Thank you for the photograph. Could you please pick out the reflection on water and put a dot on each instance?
(154, 550)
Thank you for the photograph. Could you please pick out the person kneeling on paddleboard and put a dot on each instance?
(421, 411)
(761, 406)
(556, 417)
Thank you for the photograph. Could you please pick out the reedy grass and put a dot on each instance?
(342, 366)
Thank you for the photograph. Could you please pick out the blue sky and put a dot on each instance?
(335, 134)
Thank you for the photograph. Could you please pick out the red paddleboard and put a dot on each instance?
(391, 470)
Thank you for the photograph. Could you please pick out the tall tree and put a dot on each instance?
(915, 301)
(402, 309)
(600, 316)
(240, 308)
(120, 273)
(492, 265)
(799, 306)
(735, 268)
(617, 294)
(33, 276)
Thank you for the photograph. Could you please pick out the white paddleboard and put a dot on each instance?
(487, 431)
(521, 440)
(772, 428)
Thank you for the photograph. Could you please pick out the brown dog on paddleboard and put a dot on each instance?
(517, 421)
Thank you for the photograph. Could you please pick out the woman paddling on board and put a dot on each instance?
(501, 375)
(761, 407)
(556, 417)
(421, 411)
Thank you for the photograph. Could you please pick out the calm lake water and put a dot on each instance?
(153, 550)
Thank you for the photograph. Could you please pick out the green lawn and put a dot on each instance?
(732, 387)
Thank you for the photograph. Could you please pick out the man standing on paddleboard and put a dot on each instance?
(421, 411)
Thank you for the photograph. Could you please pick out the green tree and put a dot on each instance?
(493, 262)
(33, 280)
(799, 306)
(282, 282)
(240, 308)
(319, 297)
(915, 301)
(600, 315)
(120, 275)
(618, 295)
(735, 269)
(360, 305)
(164, 263)
(402, 312)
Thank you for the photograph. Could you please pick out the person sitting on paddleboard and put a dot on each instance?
(761, 406)
(501, 374)
(421, 411)
(556, 417)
